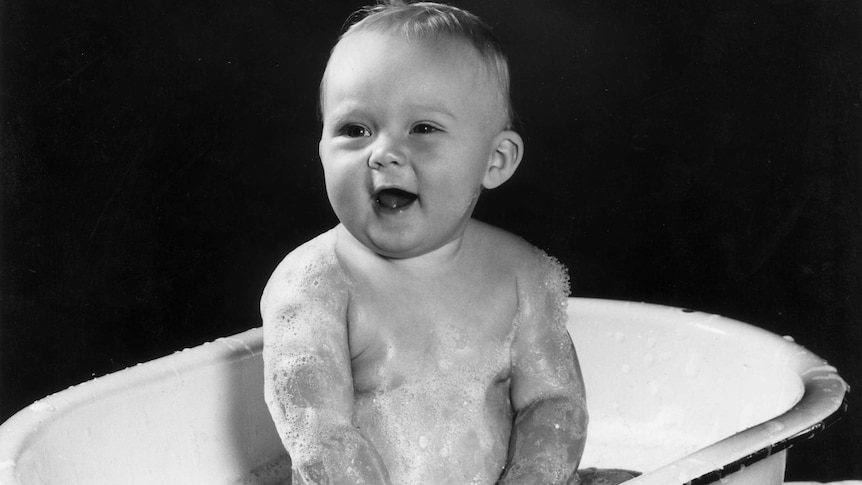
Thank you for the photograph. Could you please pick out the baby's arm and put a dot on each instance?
(308, 383)
(547, 390)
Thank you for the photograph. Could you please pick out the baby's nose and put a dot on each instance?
(387, 153)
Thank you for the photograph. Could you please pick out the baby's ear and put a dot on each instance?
(508, 150)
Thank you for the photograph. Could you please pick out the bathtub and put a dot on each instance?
(685, 397)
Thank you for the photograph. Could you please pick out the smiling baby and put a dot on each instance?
(412, 344)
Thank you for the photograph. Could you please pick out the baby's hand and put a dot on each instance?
(596, 476)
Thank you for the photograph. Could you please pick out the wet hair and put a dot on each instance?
(435, 21)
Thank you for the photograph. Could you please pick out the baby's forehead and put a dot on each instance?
(453, 51)
(397, 44)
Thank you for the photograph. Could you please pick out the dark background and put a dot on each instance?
(159, 158)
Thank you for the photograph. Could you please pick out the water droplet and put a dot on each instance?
(774, 427)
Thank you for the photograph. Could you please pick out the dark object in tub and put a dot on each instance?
(605, 476)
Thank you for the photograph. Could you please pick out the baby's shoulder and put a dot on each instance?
(542, 281)
(310, 270)
(533, 267)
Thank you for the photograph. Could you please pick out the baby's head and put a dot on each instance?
(416, 122)
(427, 21)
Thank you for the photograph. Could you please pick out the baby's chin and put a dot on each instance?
(395, 249)
(403, 246)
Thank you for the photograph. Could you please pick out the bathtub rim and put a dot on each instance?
(26, 426)
(823, 403)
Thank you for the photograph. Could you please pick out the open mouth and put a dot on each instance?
(394, 198)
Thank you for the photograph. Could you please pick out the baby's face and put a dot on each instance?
(409, 129)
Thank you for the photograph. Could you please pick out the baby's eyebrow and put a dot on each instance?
(350, 108)
(343, 110)
(437, 108)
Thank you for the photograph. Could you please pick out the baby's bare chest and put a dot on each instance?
(396, 341)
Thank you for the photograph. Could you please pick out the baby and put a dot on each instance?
(412, 344)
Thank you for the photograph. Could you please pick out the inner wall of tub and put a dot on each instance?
(675, 391)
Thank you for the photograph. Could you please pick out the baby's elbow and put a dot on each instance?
(563, 413)
(574, 410)
(307, 381)
(570, 400)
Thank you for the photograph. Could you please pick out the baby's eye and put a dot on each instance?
(424, 129)
(355, 131)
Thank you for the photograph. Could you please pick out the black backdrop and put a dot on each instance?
(159, 158)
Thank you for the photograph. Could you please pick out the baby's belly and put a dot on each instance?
(453, 434)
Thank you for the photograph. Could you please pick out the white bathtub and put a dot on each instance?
(685, 397)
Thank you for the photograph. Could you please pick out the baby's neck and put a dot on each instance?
(439, 260)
